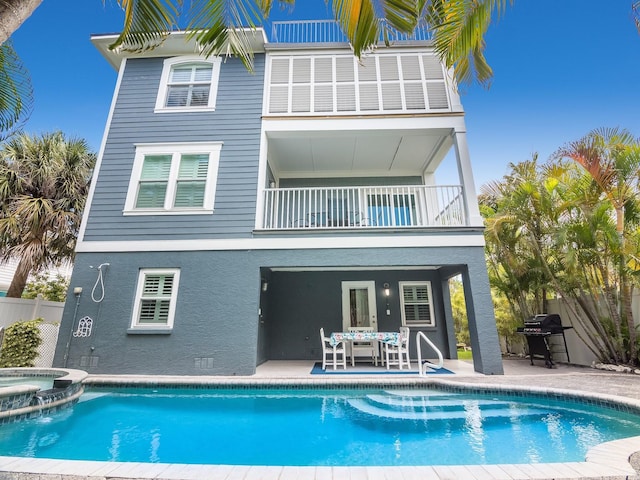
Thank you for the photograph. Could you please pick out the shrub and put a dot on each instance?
(20, 344)
(52, 289)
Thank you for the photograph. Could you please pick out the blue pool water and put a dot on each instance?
(317, 427)
(43, 382)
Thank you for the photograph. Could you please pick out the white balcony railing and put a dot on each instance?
(328, 31)
(363, 207)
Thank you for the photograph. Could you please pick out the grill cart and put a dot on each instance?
(538, 331)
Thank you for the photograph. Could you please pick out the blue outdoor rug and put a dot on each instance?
(369, 369)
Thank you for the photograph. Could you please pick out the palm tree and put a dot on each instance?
(44, 181)
(612, 158)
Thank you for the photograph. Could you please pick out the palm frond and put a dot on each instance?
(227, 27)
(359, 22)
(147, 24)
(16, 92)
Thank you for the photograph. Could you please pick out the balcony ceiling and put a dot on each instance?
(362, 153)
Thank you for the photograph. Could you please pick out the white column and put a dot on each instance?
(466, 178)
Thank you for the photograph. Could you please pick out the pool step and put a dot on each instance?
(443, 403)
(462, 413)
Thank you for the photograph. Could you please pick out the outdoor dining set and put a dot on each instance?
(384, 348)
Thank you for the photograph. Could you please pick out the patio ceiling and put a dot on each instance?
(365, 153)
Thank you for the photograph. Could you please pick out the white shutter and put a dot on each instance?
(323, 70)
(301, 98)
(279, 99)
(410, 67)
(432, 67)
(369, 96)
(301, 70)
(367, 70)
(388, 67)
(279, 70)
(323, 98)
(414, 96)
(345, 69)
(437, 95)
(391, 96)
(346, 97)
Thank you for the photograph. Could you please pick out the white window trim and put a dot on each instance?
(168, 64)
(401, 286)
(175, 150)
(135, 326)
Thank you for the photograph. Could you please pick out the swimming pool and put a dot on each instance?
(41, 382)
(317, 426)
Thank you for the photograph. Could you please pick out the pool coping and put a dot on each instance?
(606, 461)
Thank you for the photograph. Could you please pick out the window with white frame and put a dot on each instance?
(155, 301)
(187, 84)
(416, 304)
(173, 179)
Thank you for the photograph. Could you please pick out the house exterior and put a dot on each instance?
(234, 213)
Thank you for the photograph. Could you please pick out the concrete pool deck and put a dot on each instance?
(612, 460)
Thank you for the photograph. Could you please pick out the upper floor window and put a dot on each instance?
(173, 179)
(188, 84)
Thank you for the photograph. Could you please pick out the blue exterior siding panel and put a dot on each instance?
(235, 122)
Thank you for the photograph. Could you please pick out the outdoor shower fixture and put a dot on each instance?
(100, 282)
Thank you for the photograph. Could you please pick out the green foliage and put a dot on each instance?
(459, 311)
(52, 289)
(20, 344)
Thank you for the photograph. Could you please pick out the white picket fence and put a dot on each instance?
(14, 310)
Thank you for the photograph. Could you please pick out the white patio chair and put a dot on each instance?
(332, 352)
(368, 348)
(398, 354)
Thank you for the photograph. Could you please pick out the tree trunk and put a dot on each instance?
(13, 13)
(20, 277)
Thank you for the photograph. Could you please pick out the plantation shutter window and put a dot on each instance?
(416, 305)
(153, 181)
(173, 179)
(192, 180)
(156, 300)
(188, 83)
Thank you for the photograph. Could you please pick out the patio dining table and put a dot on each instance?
(365, 336)
(387, 337)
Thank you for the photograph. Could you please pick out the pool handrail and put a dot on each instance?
(421, 364)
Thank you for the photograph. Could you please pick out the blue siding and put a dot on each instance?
(236, 122)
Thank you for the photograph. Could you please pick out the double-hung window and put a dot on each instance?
(416, 304)
(155, 301)
(173, 179)
(188, 84)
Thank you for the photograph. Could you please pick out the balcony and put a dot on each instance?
(370, 207)
(328, 31)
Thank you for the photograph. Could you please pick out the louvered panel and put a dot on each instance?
(156, 167)
(369, 97)
(203, 73)
(323, 70)
(193, 166)
(414, 96)
(301, 70)
(301, 98)
(410, 67)
(367, 70)
(345, 69)
(280, 70)
(388, 68)
(279, 99)
(323, 98)
(391, 96)
(346, 98)
(432, 67)
(437, 95)
(189, 194)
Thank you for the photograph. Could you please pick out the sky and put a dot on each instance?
(561, 69)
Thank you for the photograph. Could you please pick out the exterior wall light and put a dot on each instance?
(386, 289)
(265, 285)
